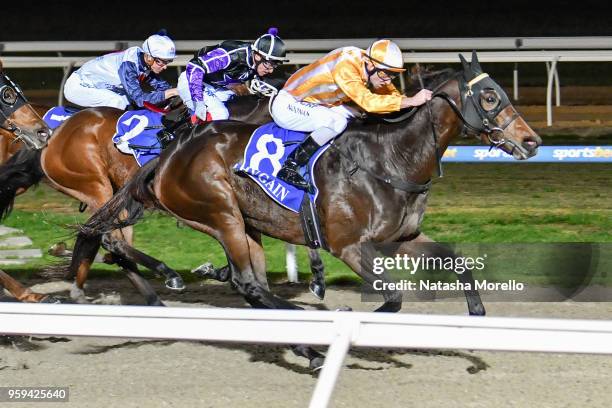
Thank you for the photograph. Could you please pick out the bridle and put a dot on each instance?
(476, 119)
(473, 116)
(11, 99)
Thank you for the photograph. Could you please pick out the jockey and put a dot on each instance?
(212, 75)
(115, 79)
(313, 98)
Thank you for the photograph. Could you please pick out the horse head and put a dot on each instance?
(18, 120)
(488, 112)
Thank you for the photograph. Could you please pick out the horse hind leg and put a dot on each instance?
(122, 252)
(248, 274)
(85, 250)
(258, 295)
(120, 247)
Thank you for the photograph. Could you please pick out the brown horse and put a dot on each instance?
(82, 161)
(19, 122)
(373, 188)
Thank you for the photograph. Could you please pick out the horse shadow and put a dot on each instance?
(221, 295)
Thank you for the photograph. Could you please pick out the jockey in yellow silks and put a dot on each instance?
(313, 98)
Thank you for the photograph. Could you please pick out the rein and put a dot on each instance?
(465, 90)
(403, 185)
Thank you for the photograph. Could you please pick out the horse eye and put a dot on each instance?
(489, 100)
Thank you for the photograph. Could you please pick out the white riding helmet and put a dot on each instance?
(386, 55)
(160, 46)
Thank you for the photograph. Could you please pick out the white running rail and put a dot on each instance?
(339, 330)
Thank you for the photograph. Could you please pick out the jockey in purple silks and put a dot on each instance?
(211, 74)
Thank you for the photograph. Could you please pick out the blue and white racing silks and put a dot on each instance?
(123, 72)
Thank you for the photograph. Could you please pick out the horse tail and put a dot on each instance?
(21, 171)
(127, 205)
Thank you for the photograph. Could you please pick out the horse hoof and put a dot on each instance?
(51, 300)
(344, 309)
(317, 290)
(316, 363)
(59, 250)
(477, 309)
(175, 283)
(204, 271)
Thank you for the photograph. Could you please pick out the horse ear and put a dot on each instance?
(466, 65)
(467, 71)
(475, 65)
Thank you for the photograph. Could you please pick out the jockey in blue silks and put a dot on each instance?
(116, 79)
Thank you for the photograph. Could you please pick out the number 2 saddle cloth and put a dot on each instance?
(136, 131)
(136, 134)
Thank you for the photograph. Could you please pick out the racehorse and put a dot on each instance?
(82, 161)
(22, 122)
(373, 188)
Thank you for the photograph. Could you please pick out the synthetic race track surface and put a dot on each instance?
(137, 373)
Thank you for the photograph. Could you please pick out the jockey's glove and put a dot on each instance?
(200, 110)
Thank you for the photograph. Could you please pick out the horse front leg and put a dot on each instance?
(360, 258)
(22, 293)
(423, 245)
(317, 283)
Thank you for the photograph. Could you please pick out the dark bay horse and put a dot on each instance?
(373, 188)
(82, 161)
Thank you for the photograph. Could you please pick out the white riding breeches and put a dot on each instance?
(214, 98)
(324, 123)
(80, 92)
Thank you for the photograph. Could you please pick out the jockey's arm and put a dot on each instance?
(158, 83)
(128, 75)
(195, 74)
(348, 78)
(212, 61)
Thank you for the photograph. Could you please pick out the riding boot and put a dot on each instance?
(289, 173)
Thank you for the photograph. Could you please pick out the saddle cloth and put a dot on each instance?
(136, 134)
(264, 156)
(58, 115)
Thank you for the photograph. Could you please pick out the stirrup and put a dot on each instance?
(293, 177)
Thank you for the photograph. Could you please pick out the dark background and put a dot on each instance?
(193, 20)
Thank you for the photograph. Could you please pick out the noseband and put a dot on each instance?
(476, 120)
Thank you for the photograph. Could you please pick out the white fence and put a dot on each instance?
(510, 49)
(339, 330)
